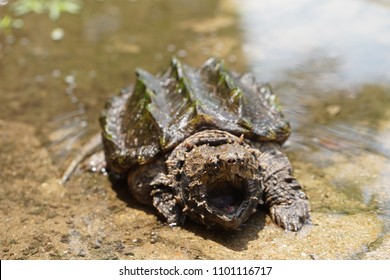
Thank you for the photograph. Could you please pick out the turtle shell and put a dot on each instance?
(150, 119)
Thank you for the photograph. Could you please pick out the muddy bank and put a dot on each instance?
(91, 219)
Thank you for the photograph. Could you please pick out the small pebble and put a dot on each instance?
(171, 47)
(182, 53)
(119, 246)
(333, 110)
(158, 56)
(24, 41)
(128, 253)
(81, 253)
(98, 244)
(137, 241)
(39, 78)
(70, 79)
(56, 73)
(34, 250)
(17, 23)
(10, 39)
(57, 34)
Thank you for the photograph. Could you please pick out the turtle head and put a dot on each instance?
(217, 178)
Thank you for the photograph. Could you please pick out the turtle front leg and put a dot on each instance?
(149, 185)
(166, 205)
(164, 200)
(288, 204)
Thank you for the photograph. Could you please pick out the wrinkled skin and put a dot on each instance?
(205, 144)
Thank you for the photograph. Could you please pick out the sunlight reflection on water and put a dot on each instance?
(282, 35)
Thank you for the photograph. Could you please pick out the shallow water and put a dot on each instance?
(329, 63)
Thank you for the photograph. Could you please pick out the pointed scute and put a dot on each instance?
(161, 111)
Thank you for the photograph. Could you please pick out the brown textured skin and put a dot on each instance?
(283, 195)
(219, 180)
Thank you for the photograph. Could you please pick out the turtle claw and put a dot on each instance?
(292, 216)
(166, 205)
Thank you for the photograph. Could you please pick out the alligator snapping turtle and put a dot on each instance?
(203, 143)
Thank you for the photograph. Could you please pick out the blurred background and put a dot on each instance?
(328, 62)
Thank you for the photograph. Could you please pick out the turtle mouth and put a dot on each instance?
(227, 197)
